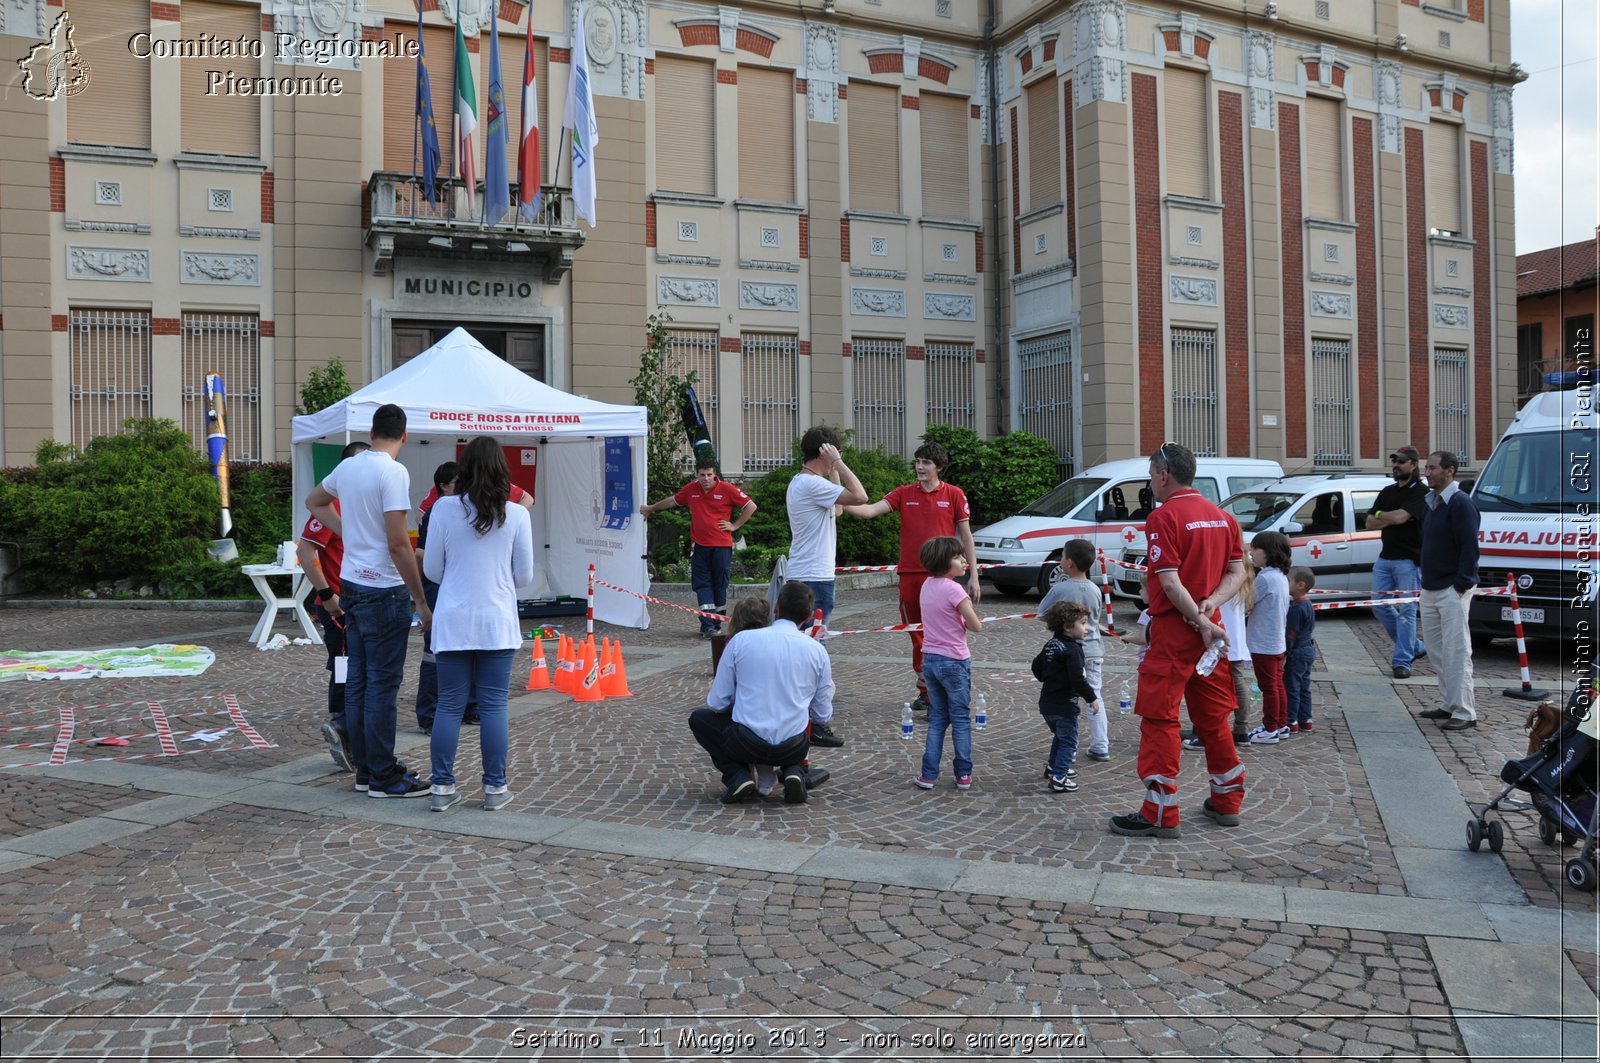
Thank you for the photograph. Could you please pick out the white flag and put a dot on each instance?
(579, 117)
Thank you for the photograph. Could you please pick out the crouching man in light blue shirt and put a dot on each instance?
(773, 682)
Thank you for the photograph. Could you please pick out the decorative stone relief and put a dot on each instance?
(1194, 263)
(107, 264)
(24, 18)
(1388, 77)
(617, 37)
(108, 193)
(949, 307)
(1502, 116)
(1459, 293)
(1262, 75)
(1192, 291)
(77, 225)
(1332, 278)
(982, 97)
(473, 15)
(1100, 41)
(203, 268)
(1330, 252)
(878, 302)
(688, 291)
(758, 296)
(1450, 315)
(306, 27)
(822, 72)
(769, 236)
(1196, 236)
(1331, 304)
(689, 231)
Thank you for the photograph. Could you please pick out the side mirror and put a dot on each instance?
(1293, 527)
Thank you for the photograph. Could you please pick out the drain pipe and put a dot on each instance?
(1002, 359)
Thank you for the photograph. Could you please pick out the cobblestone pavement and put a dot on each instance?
(242, 902)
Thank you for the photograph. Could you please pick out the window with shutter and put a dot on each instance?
(686, 126)
(1188, 133)
(766, 134)
(401, 145)
(1324, 155)
(1444, 177)
(874, 118)
(945, 184)
(114, 108)
(222, 123)
(1044, 143)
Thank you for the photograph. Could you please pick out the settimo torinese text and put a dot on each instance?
(287, 49)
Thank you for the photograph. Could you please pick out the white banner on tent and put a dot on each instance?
(577, 515)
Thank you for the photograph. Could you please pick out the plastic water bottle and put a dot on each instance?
(1125, 699)
(1209, 659)
(906, 726)
(981, 705)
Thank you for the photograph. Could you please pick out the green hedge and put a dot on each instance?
(138, 510)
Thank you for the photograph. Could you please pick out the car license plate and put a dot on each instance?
(1529, 616)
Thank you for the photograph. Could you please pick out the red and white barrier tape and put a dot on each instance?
(889, 568)
(658, 601)
(918, 627)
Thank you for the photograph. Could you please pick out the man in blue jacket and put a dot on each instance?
(1449, 576)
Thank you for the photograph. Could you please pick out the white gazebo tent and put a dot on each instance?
(585, 507)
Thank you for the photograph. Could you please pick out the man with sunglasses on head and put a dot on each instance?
(1398, 513)
(1195, 563)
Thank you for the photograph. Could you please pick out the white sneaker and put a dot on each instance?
(1284, 732)
(1263, 737)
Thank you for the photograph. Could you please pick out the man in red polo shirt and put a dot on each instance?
(928, 509)
(712, 521)
(1196, 563)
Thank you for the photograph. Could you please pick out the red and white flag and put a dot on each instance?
(529, 196)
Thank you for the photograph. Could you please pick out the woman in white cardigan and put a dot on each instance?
(480, 549)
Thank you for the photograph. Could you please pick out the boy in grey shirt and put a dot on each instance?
(1077, 559)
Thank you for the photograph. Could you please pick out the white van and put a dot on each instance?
(1323, 515)
(1538, 501)
(1107, 505)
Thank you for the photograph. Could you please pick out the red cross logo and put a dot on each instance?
(1129, 534)
(1314, 548)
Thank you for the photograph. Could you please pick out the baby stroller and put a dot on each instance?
(1562, 777)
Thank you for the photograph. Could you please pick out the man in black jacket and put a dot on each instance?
(1449, 576)
(1398, 513)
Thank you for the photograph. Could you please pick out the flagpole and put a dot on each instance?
(416, 122)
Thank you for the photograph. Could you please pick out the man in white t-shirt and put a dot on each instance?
(824, 482)
(380, 586)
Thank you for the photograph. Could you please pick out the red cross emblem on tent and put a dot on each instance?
(1314, 548)
(1129, 533)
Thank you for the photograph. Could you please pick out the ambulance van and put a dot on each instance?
(1538, 504)
(1105, 504)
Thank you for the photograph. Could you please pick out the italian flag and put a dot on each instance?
(466, 120)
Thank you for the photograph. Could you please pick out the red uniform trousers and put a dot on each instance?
(911, 613)
(1166, 679)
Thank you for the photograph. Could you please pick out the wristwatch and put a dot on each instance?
(324, 594)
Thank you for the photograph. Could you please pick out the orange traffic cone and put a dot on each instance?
(614, 677)
(539, 674)
(588, 674)
(564, 666)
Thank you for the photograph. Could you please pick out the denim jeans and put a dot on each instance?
(463, 674)
(333, 639)
(1064, 741)
(949, 708)
(1297, 683)
(822, 591)
(377, 625)
(1400, 621)
(734, 747)
(709, 570)
(428, 674)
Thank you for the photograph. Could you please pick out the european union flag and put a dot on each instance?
(430, 134)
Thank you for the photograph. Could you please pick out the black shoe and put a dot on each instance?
(741, 793)
(1434, 714)
(338, 744)
(1187, 733)
(921, 704)
(1222, 819)
(1419, 655)
(822, 735)
(707, 634)
(1136, 826)
(1402, 673)
(815, 777)
(404, 785)
(794, 786)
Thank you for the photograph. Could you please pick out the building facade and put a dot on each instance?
(1277, 229)
(1558, 295)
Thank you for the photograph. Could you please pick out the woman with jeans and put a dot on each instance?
(480, 549)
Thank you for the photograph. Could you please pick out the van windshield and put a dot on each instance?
(1256, 509)
(1538, 470)
(1064, 497)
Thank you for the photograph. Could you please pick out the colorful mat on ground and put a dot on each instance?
(164, 660)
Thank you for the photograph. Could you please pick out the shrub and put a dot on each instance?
(139, 507)
(323, 388)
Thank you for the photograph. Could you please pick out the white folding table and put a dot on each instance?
(299, 587)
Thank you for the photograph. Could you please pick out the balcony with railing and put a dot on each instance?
(400, 219)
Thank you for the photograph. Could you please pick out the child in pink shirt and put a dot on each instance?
(947, 616)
